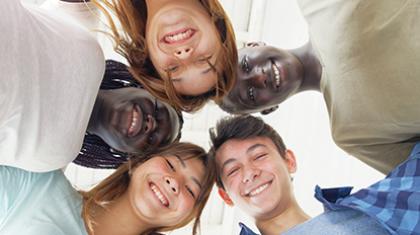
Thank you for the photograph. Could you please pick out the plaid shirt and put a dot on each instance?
(394, 201)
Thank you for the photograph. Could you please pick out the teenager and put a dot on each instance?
(126, 120)
(51, 71)
(254, 172)
(253, 169)
(362, 56)
(161, 191)
(183, 52)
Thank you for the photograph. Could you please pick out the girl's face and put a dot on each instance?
(132, 120)
(184, 45)
(164, 189)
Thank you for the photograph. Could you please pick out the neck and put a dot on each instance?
(289, 218)
(118, 218)
(312, 69)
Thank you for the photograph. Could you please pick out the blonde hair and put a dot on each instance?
(131, 43)
(115, 185)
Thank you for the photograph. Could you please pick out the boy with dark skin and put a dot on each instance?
(363, 58)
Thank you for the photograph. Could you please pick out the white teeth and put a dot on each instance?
(276, 74)
(134, 119)
(179, 36)
(258, 190)
(159, 195)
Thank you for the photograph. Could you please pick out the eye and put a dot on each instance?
(261, 156)
(190, 191)
(204, 59)
(245, 64)
(233, 171)
(170, 165)
(251, 93)
(155, 109)
(172, 69)
(151, 139)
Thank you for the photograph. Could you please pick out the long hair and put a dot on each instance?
(115, 185)
(131, 43)
(95, 152)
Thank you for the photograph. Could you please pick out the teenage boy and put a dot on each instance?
(253, 172)
(363, 57)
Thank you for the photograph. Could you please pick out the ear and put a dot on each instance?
(255, 44)
(290, 161)
(269, 110)
(225, 197)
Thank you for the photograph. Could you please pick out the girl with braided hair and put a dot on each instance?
(126, 120)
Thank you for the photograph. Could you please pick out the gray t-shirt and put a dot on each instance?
(370, 53)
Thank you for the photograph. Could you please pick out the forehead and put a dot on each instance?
(259, 51)
(195, 81)
(134, 92)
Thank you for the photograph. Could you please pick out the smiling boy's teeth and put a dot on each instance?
(159, 195)
(276, 74)
(134, 121)
(258, 190)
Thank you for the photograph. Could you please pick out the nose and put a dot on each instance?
(260, 79)
(150, 124)
(183, 53)
(173, 184)
(250, 173)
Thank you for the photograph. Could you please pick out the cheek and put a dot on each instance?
(232, 184)
(185, 207)
(160, 61)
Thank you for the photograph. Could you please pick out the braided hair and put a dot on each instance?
(95, 153)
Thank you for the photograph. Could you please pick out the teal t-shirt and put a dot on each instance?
(38, 203)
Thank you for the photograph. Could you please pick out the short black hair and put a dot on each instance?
(241, 128)
(95, 152)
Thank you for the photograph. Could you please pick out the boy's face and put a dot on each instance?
(255, 176)
(267, 76)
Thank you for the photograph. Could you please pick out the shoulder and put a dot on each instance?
(245, 230)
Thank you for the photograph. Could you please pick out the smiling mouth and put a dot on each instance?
(134, 125)
(159, 195)
(178, 36)
(258, 190)
(276, 72)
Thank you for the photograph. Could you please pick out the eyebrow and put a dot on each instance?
(182, 162)
(248, 151)
(253, 147)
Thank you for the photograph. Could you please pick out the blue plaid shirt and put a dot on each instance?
(394, 201)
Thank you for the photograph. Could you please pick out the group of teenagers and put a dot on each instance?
(61, 101)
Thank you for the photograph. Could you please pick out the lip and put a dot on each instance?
(134, 121)
(159, 195)
(178, 36)
(248, 191)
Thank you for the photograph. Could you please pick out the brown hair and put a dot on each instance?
(115, 185)
(131, 43)
(241, 127)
